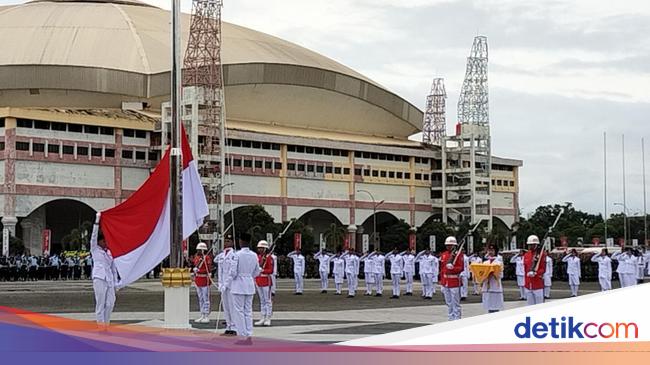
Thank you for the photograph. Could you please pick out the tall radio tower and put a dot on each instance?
(434, 129)
(473, 101)
(203, 107)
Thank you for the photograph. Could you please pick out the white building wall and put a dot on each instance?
(389, 193)
(343, 214)
(132, 178)
(317, 189)
(502, 200)
(132, 141)
(254, 185)
(422, 195)
(2, 172)
(62, 174)
(361, 215)
(315, 157)
(421, 217)
(25, 204)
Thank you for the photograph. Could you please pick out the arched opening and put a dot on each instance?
(384, 221)
(69, 221)
(325, 226)
(500, 234)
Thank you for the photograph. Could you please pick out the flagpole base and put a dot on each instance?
(177, 283)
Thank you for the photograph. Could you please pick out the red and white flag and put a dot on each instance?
(137, 231)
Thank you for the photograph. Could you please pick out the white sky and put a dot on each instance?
(561, 73)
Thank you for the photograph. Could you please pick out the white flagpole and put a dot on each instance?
(645, 213)
(605, 181)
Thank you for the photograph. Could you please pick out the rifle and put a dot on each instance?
(274, 244)
(456, 253)
(537, 259)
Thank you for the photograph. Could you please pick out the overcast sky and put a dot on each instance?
(560, 74)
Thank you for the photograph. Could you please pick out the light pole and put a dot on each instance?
(625, 221)
(374, 216)
(220, 212)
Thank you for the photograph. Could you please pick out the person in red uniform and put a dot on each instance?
(202, 264)
(450, 269)
(534, 280)
(264, 282)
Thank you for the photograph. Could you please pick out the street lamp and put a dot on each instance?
(625, 214)
(220, 211)
(374, 216)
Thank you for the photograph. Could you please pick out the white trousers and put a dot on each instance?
(452, 299)
(574, 284)
(369, 278)
(627, 279)
(547, 292)
(396, 289)
(104, 300)
(266, 304)
(352, 284)
(273, 280)
(427, 284)
(520, 284)
(605, 284)
(379, 283)
(409, 281)
(203, 292)
(243, 314)
(433, 286)
(535, 296)
(464, 284)
(323, 280)
(300, 282)
(228, 309)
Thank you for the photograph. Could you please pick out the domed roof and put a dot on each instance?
(100, 53)
(89, 32)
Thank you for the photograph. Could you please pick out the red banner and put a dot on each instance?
(185, 248)
(297, 241)
(621, 242)
(596, 241)
(412, 241)
(346, 242)
(46, 235)
(564, 241)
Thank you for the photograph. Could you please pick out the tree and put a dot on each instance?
(396, 235)
(334, 236)
(254, 220)
(430, 228)
(78, 237)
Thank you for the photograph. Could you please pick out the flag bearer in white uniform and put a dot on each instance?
(352, 272)
(474, 259)
(339, 271)
(298, 270)
(518, 260)
(241, 283)
(105, 277)
(224, 261)
(548, 277)
(409, 270)
(323, 268)
(492, 288)
(396, 269)
(573, 271)
(379, 272)
(604, 269)
(626, 267)
(368, 271)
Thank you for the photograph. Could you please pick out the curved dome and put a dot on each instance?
(103, 52)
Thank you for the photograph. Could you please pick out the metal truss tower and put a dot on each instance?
(204, 107)
(467, 157)
(434, 126)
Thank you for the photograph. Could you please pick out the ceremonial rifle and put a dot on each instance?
(538, 256)
(455, 253)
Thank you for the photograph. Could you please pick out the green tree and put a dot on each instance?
(396, 235)
(430, 228)
(78, 237)
(334, 236)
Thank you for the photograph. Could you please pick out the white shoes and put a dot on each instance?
(202, 319)
(267, 322)
(260, 322)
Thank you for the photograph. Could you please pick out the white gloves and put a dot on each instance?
(531, 274)
(97, 217)
(449, 266)
(196, 269)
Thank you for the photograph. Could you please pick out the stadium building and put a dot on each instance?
(81, 89)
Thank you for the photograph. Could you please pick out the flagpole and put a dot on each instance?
(605, 180)
(176, 279)
(645, 213)
(625, 218)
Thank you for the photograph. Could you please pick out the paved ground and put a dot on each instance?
(310, 317)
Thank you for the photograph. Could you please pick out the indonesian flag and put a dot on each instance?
(137, 231)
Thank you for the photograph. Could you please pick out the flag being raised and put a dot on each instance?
(137, 231)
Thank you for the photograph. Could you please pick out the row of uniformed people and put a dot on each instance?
(55, 267)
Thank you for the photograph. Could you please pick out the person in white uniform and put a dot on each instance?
(626, 269)
(474, 258)
(368, 271)
(241, 283)
(352, 272)
(424, 261)
(324, 259)
(338, 269)
(396, 269)
(604, 269)
(641, 263)
(518, 260)
(492, 288)
(105, 276)
(573, 271)
(408, 257)
(224, 261)
(464, 277)
(298, 270)
(548, 277)
(379, 272)
(646, 256)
